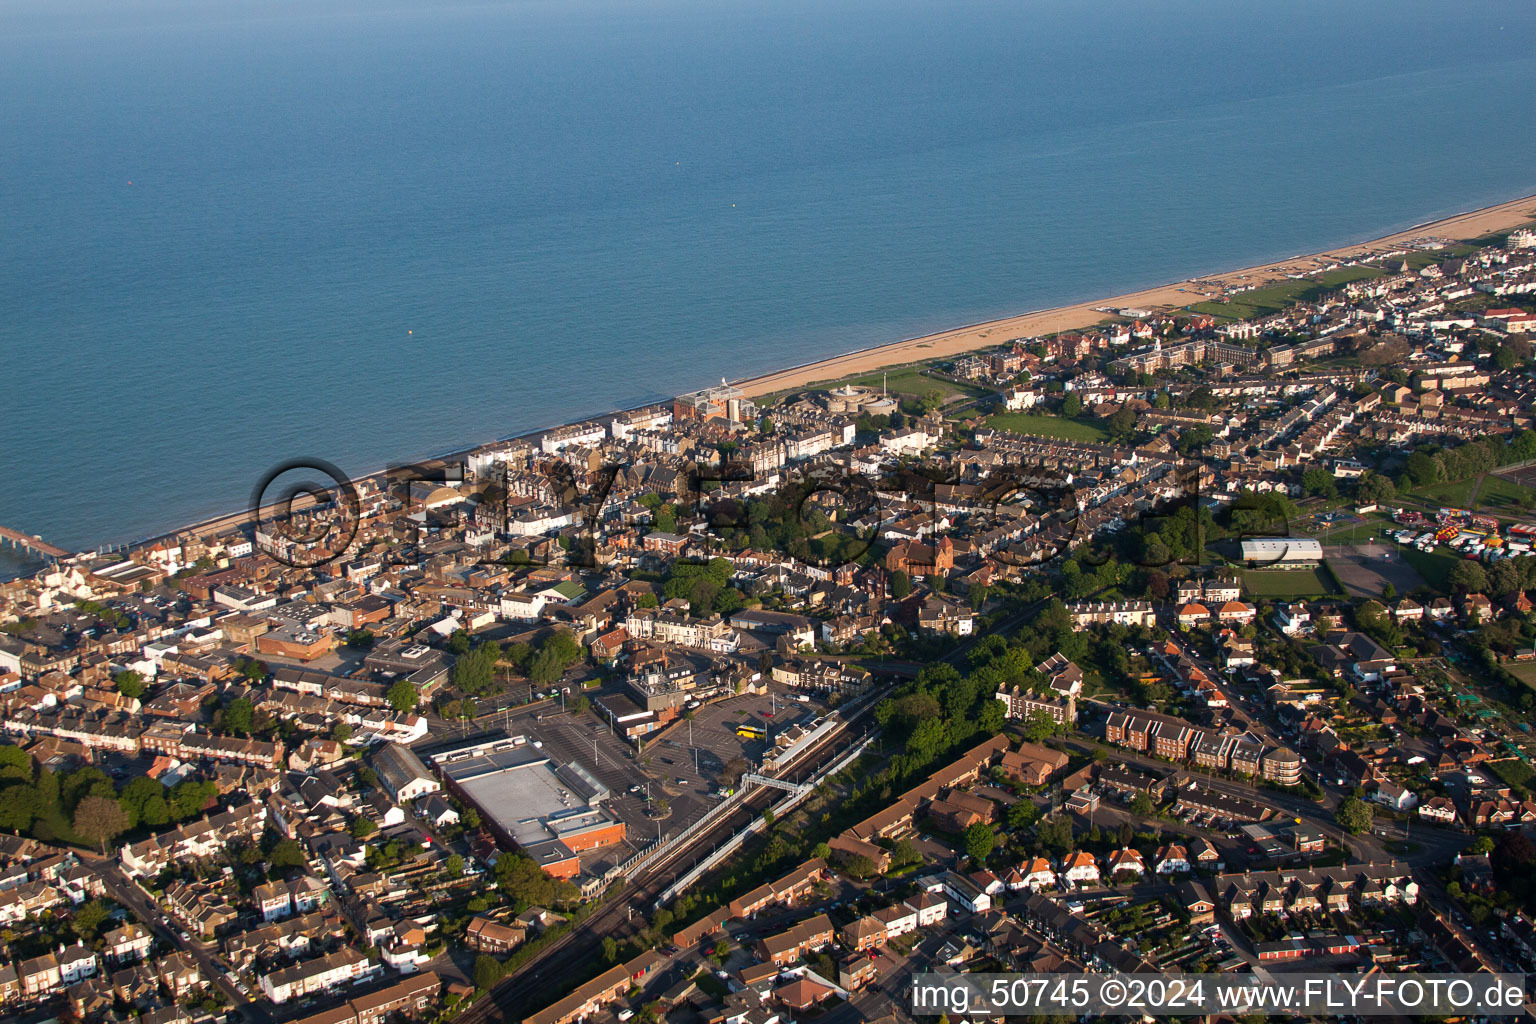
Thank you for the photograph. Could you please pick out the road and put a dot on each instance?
(126, 891)
(1435, 846)
(1246, 711)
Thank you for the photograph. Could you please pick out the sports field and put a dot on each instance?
(1049, 426)
(1286, 583)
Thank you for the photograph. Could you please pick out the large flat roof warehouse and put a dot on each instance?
(525, 792)
(1281, 550)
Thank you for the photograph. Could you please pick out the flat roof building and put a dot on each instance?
(1282, 552)
(549, 811)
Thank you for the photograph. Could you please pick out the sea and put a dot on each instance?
(369, 231)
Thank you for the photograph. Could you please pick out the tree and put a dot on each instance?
(1468, 576)
(488, 971)
(341, 732)
(979, 841)
(901, 585)
(252, 669)
(453, 866)
(156, 812)
(1122, 423)
(521, 879)
(1354, 815)
(1022, 814)
(1375, 488)
(1318, 480)
(19, 806)
(15, 758)
(1055, 834)
(89, 919)
(240, 716)
(362, 828)
(904, 853)
(610, 950)
(100, 819)
(1040, 725)
(475, 670)
(1142, 805)
(285, 854)
(402, 696)
(1072, 405)
(129, 684)
(136, 795)
(858, 866)
(189, 798)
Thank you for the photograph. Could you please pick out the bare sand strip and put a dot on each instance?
(1171, 296)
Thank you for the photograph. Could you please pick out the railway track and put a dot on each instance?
(545, 977)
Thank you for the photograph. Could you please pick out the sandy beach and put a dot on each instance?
(944, 344)
(1063, 318)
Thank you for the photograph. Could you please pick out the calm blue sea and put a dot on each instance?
(240, 232)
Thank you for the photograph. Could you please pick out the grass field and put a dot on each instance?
(1287, 583)
(1523, 671)
(1049, 426)
(910, 380)
(1500, 495)
(1452, 495)
(1420, 260)
(1432, 565)
(1275, 297)
(1494, 494)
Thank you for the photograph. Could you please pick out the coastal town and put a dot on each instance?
(1201, 639)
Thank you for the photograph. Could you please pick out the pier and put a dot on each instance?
(36, 545)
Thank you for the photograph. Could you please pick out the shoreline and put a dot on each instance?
(954, 341)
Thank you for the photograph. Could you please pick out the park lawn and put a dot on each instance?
(1049, 426)
(1272, 298)
(1432, 565)
(1420, 260)
(1287, 583)
(1257, 302)
(1451, 495)
(1495, 494)
(1344, 275)
(910, 380)
(1500, 495)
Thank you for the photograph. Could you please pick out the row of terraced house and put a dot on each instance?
(1175, 739)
